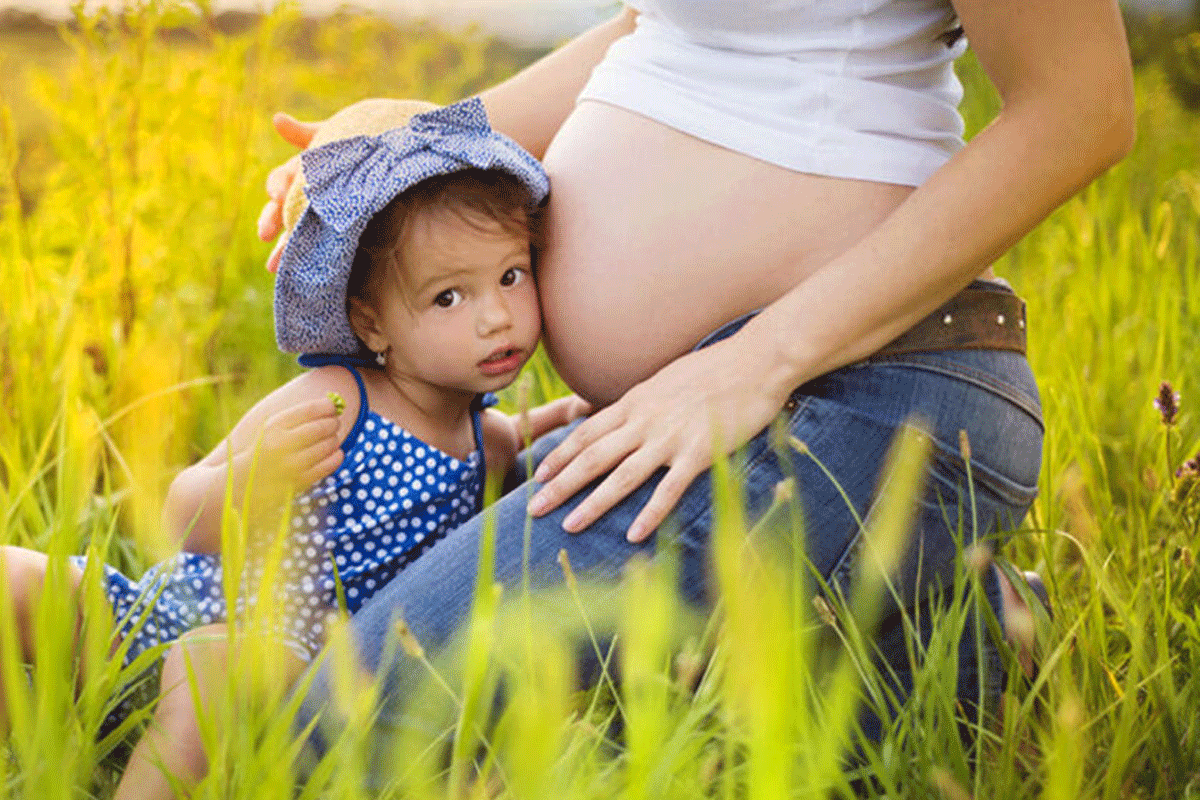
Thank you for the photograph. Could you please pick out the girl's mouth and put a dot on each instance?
(501, 361)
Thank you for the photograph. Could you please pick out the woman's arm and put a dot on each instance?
(529, 107)
(1062, 70)
(288, 440)
(1064, 77)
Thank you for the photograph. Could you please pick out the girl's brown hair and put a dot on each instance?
(470, 194)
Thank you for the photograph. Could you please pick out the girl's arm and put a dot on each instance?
(505, 435)
(1062, 70)
(288, 440)
(528, 107)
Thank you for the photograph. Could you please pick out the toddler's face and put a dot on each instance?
(466, 317)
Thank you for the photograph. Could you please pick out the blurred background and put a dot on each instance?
(527, 21)
(524, 21)
(134, 141)
(136, 328)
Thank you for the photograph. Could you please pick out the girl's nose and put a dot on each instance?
(494, 314)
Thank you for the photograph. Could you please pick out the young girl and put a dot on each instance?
(408, 285)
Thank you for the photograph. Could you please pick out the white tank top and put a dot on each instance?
(846, 88)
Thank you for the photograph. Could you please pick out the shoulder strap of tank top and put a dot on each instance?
(482, 401)
(351, 364)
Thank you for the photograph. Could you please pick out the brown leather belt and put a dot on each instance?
(974, 319)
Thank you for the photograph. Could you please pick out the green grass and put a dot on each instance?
(131, 166)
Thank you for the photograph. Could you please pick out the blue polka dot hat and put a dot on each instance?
(349, 181)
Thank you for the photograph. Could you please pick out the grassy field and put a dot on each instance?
(137, 328)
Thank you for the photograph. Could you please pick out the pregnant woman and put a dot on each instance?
(766, 208)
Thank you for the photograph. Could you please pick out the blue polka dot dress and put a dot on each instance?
(392, 497)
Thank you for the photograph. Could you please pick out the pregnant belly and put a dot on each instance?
(655, 238)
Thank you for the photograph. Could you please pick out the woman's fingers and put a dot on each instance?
(631, 473)
(584, 469)
(586, 454)
(276, 256)
(632, 463)
(294, 132)
(270, 219)
(589, 432)
(703, 403)
(664, 499)
(280, 178)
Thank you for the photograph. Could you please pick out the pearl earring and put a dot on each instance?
(381, 358)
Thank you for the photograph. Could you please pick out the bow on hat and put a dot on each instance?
(353, 178)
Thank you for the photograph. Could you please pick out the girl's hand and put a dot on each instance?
(269, 455)
(270, 219)
(536, 422)
(298, 446)
(708, 401)
(504, 436)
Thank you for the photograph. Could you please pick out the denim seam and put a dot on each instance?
(983, 380)
(1004, 487)
(840, 573)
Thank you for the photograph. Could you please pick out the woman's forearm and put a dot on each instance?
(1063, 123)
(531, 105)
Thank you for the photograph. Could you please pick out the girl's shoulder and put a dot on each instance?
(328, 381)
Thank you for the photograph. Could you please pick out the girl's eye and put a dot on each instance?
(448, 298)
(512, 276)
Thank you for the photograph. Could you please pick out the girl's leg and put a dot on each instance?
(25, 571)
(171, 753)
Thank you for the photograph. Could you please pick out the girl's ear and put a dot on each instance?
(365, 323)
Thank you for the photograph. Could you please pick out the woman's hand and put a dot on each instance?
(707, 402)
(270, 219)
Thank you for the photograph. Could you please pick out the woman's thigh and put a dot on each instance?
(847, 421)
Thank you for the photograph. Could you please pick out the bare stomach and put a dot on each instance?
(655, 238)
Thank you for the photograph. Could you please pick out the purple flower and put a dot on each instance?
(1186, 491)
(1191, 466)
(1167, 403)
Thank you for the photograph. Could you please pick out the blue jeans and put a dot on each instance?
(848, 418)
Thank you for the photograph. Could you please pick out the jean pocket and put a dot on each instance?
(982, 404)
